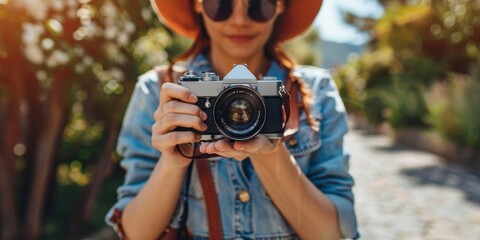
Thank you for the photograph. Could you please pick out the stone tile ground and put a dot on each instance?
(402, 193)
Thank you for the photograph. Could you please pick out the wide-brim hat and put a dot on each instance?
(179, 16)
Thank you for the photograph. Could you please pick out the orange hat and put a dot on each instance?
(179, 16)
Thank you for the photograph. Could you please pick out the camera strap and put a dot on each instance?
(286, 101)
(290, 103)
(211, 199)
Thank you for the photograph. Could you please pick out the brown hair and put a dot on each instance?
(274, 51)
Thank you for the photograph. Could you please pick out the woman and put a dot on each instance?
(266, 189)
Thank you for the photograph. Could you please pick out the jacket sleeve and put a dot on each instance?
(328, 166)
(139, 157)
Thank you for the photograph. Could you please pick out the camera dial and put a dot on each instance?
(190, 77)
(210, 76)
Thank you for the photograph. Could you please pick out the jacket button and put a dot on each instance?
(244, 196)
(292, 142)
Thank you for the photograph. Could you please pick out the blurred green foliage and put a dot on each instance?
(301, 48)
(453, 109)
(96, 49)
(412, 48)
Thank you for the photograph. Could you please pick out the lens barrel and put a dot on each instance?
(239, 112)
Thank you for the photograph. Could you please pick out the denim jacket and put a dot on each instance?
(320, 155)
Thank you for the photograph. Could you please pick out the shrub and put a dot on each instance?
(453, 110)
(406, 105)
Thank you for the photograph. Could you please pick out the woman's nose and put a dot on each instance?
(240, 15)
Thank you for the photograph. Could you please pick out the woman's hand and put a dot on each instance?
(239, 150)
(176, 109)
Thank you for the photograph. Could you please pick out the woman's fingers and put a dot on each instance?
(176, 109)
(241, 149)
(173, 120)
(223, 148)
(185, 108)
(252, 146)
(210, 147)
(175, 106)
(172, 91)
(172, 139)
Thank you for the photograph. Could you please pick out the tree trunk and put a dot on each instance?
(46, 145)
(33, 123)
(102, 171)
(9, 218)
(11, 137)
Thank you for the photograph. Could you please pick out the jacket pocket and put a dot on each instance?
(305, 141)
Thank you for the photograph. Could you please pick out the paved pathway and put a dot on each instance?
(406, 194)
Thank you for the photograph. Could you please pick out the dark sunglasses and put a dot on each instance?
(258, 10)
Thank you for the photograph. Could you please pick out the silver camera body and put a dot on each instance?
(240, 106)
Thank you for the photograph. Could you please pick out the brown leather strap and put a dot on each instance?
(286, 106)
(211, 200)
(294, 119)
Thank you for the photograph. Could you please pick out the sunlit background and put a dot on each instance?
(408, 70)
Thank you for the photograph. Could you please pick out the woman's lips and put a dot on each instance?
(240, 38)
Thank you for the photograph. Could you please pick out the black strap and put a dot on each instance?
(183, 232)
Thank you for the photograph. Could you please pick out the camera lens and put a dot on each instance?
(239, 112)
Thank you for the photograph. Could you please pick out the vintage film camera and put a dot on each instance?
(239, 107)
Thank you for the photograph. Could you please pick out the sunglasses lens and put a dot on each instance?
(218, 10)
(258, 10)
(261, 10)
